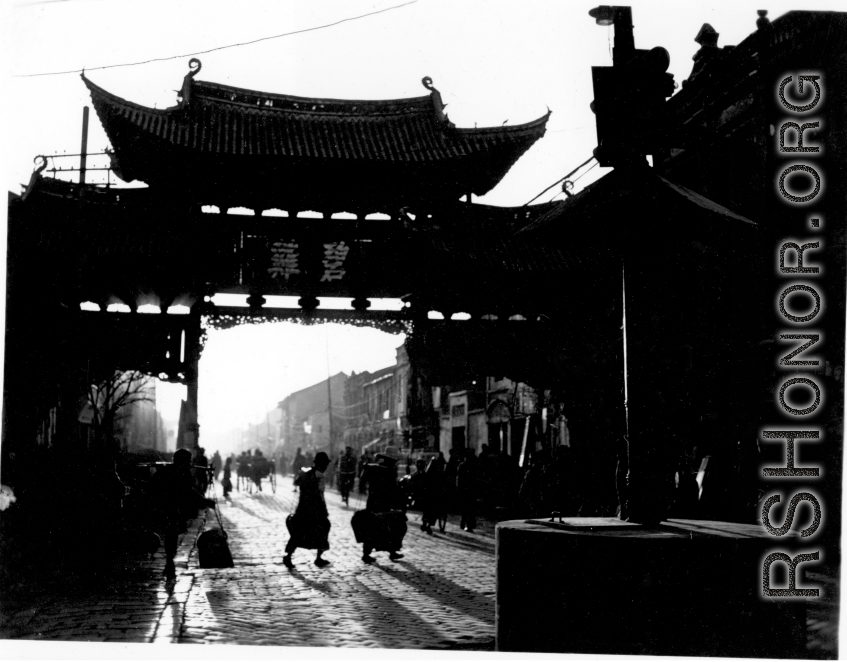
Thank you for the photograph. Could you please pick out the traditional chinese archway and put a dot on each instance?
(325, 197)
(542, 285)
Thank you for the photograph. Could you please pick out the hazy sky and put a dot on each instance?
(493, 62)
(247, 370)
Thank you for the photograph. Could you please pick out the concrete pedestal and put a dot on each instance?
(599, 585)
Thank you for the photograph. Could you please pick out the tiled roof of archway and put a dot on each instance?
(219, 119)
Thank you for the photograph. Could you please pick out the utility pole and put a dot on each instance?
(328, 393)
(329, 409)
(83, 150)
(630, 108)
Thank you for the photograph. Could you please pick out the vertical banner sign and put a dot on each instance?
(800, 393)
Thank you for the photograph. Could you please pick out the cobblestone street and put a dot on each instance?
(441, 595)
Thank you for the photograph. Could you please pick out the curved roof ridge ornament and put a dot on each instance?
(36, 175)
(437, 102)
(184, 95)
(43, 165)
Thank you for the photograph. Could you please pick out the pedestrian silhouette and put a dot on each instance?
(176, 501)
(467, 487)
(346, 474)
(298, 463)
(381, 526)
(434, 507)
(309, 525)
(216, 464)
(226, 483)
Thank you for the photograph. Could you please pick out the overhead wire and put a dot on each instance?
(574, 181)
(580, 165)
(560, 180)
(218, 48)
(585, 173)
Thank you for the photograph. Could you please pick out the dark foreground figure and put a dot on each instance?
(309, 525)
(434, 505)
(175, 502)
(381, 526)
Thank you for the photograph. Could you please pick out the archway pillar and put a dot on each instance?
(191, 427)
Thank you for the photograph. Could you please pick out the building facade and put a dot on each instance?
(377, 407)
(311, 417)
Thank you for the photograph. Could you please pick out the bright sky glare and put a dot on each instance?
(247, 370)
(494, 61)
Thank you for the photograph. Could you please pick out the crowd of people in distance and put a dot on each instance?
(151, 501)
(465, 484)
(385, 486)
(495, 485)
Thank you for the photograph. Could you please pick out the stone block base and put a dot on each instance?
(599, 585)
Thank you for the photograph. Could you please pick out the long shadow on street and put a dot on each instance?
(447, 592)
(389, 617)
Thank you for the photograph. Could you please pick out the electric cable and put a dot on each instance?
(585, 173)
(559, 181)
(218, 48)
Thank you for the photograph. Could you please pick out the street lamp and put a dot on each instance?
(629, 96)
(604, 15)
(621, 18)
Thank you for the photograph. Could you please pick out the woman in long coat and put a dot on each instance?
(435, 504)
(467, 487)
(309, 525)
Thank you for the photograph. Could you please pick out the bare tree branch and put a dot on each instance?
(113, 398)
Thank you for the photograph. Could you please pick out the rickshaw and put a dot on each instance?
(262, 468)
(251, 471)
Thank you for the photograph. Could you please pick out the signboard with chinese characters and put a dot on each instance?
(285, 259)
(333, 262)
(335, 254)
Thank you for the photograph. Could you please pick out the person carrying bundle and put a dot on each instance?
(309, 525)
(381, 526)
(175, 501)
